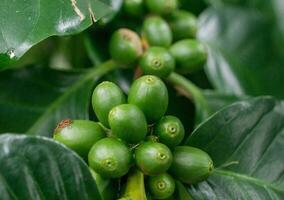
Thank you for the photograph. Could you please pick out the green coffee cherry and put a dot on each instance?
(170, 131)
(190, 55)
(106, 96)
(106, 187)
(150, 94)
(153, 158)
(191, 165)
(78, 135)
(183, 24)
(157, 32)
(162, 7)
(125, 46)
(110, 157)
(134, 8)
(161, 186)
(157, 61)
(128, 123)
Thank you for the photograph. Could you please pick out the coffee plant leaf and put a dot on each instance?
(34, 167)
(246, 143)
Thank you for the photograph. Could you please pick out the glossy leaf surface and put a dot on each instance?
(245, 47)
(23, 23)
(39, 168)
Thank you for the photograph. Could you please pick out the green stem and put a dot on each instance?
(190, 90)
(135, 189)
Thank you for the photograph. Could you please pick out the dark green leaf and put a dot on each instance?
(245, 50)
(193, 5)
(33, 100)
(38, 168)
(217, 100)
(246, 143)
(25, 23)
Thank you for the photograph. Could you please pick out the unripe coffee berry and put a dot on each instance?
(110, 157)
(78, 135)
(157, 32)
(106, 96)
(162, 7)
(134, 8)
(170, 131)
(157, 61)
(191, 165)
(128, 123)
(161, 186)
(183, 24)
(150, 94)
(125, 46)
(190, 55)
(153, 158)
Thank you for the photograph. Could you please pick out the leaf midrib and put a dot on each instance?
(93, 73)
(253, 180)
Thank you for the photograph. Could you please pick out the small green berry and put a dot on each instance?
(190, 55)
(162, 7)
(157, 61)
(125, 46)
(157, 32)
(150, 94)
(128, 123)
(153, 158)
(170, 131)
(110, 157)
(78, 135)
(134, 8)
(106, 96)
(161, 186)
(183, 24)
(191, 165)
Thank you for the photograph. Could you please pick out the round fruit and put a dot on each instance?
(78, 135)
(106, 96)
(134, 8)
(190, 55)
(150, 94)
(162, 7)
(170, 131)
(157, 61)
(110, 157)
(183, 24)
(153, 158)
(125, 46)
(157, 32)
(191, 165)
(161, 186)
(128, 123)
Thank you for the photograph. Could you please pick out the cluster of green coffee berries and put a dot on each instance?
(135, 132)
(166, 43)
